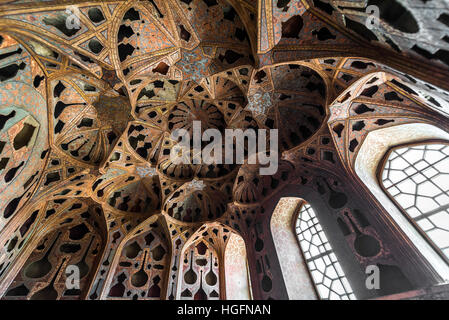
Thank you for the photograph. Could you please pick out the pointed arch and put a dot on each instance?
(236, 269)
(199, 275)
(367, 166)
(309, 265)
(75, 241)
(294, 268)
(140, 268)
(414, 176)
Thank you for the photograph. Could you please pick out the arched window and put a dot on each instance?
(417, 178)
(327, 274)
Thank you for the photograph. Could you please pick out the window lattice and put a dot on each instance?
(418, 179)
(326, 271)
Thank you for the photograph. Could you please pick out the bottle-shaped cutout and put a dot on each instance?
(190, 276)
(76, 152)
(14, 203)
(365, 245)
(200, 294)
(267, 283)
(175, 264)
(82, 265)
(94, 295)
(140, 278)
(65, 146)
(337, 200)
(211, 278)
(106, 262)
(41, 267)
(172, 296)
(49, 292)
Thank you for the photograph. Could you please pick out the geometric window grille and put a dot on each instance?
(327, 274)
(418, 179)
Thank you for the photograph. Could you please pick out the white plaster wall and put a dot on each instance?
(371, 153)
(237, 282)
(294, 269)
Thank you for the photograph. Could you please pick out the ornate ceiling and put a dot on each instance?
(86, 116)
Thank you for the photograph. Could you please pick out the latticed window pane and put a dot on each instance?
(418, 179)
(324, 267)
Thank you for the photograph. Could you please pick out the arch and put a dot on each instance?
(325, 269)
(309, 265)
(199, 273)
(75, 241)
(88, 113)
(294, 268)
(140, 272)
(24, 129)
(367, 162)
(413, 176)
(236, 271)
